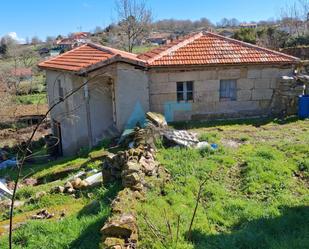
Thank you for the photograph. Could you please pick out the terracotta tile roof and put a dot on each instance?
(84, 57)
(76, 59)
(212, 49)
(196, 49)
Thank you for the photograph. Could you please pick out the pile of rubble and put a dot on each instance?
(77, 183)
(138, 171)
(131, 167)
(43, 214)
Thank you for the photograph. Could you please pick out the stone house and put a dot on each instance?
(201, 76)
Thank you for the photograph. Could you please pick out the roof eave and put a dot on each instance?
(116, 58)
(56, 69)
(296, 62)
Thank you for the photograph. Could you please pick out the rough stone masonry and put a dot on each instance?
(138, 171)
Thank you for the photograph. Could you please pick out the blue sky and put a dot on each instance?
(41, 18)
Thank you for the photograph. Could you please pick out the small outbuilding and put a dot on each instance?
(200, 76)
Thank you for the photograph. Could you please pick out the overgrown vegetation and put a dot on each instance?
(255, 196)
(79, 229)
(38, 98)
(84, 213)
(298, 41)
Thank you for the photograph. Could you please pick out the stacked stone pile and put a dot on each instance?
(131, 167)
(286, 97)
(138, 170)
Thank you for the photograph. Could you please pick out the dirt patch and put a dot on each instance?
(21, 219)
(234, 144)
(12, 137)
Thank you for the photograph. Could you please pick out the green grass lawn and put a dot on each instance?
(79, 229)
(256, 193)
(37, 98)
(85, 213)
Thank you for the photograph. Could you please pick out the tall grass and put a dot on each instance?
(254, 196)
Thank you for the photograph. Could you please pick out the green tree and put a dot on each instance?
(246, 35)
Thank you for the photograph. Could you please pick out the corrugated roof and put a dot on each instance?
(85, 56)
(212, 49)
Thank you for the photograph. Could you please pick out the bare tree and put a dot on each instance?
(134, 19)
(35, 40)
(50, 40)
(294, 17)
(304, 7)
(233, 22)
(28, 56)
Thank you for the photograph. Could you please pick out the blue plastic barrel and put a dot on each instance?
(303, 106)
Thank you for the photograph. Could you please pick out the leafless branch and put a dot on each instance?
(155, 231)
(134, 19)
(199, 195)
(23, 157)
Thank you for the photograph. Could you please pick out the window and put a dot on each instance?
(185, 91)
(60, 89)
(227, 90)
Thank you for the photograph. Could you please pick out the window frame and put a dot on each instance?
(184, 92)
(228, 90)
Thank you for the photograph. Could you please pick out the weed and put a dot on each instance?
(251, 197)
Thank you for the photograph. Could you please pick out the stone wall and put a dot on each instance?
(138, 171)
(255, 89)
(286, 96)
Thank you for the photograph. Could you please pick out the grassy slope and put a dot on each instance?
(85, 215)
(252, 198)
(79, 229)
(256, 196)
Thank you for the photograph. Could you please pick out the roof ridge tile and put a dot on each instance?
(176, 46)
(250, 45)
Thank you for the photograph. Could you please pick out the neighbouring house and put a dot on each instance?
(66, 44)
(200, 76)
(248, 25)
(74, 40)
(159, 38)
(81, 37)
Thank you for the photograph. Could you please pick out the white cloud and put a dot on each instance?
(14, 36)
